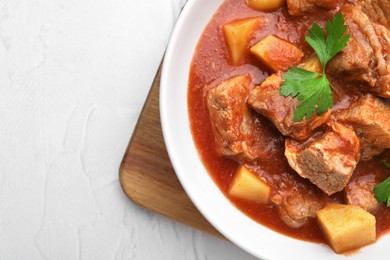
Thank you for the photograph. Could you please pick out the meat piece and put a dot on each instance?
(378, 11)
(366, 59)
(300, 7)
(326, 159)
(296, 200)
(266, 100)
(369, 117)
(298, 207)
(236, 135)
(359, 192)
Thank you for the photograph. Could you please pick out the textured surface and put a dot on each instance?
(73, 79)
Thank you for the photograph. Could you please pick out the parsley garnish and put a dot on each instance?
(313, 89)
(382, 190)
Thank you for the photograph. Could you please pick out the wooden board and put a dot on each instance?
(146, 174)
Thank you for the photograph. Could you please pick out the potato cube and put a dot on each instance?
(265, 5)
(312, 64)
(246, 185)
(347, 227)
(276, 53)
(237, 35)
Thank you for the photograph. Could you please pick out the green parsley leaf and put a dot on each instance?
(319, 92)
(296, 77)
(382, 190)
(316, 39)
(311, 88)
(327, 48)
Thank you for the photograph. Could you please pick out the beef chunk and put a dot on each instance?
(296, 200)
(297, 207)
(236, 134)
(359, 192)
(369, 117)
(327, 159)
(378, 11)
(266, 100)
(300, 7)
(366, 59)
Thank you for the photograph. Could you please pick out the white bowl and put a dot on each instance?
(217, 209)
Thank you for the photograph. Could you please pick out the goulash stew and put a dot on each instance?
(289, 109)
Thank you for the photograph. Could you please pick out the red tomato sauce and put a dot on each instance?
(210, 65)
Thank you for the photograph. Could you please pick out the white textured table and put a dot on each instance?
(73, 78)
